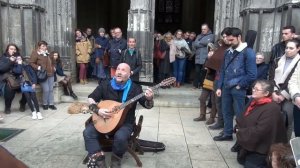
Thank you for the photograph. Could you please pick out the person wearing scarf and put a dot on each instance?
(260, 126)
(120, 89)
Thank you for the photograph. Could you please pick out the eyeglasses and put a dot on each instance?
(256, 90)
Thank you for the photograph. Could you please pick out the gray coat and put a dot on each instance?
(200, 45)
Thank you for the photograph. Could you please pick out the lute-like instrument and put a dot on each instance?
(119, 110)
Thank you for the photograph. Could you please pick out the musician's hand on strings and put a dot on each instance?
(149, 94)
(104, 113)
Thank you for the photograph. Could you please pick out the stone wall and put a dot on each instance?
(266, 18)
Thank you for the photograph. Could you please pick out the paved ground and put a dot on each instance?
(57, 142)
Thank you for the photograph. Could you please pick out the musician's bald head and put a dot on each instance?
(122, 73)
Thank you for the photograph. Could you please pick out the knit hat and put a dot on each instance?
(101, 30)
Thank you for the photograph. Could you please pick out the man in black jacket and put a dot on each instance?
(133, 58)
(278, 50)
(119, 89)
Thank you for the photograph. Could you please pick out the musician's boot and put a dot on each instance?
(97, 160)
(115, 161)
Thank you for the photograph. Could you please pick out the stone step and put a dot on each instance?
(184, 96)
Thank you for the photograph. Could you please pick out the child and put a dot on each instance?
(62, 78)
(28, 84)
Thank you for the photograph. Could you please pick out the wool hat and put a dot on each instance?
(101, 30)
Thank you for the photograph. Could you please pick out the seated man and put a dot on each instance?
(119, 89)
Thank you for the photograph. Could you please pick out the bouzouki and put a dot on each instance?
(119, 110)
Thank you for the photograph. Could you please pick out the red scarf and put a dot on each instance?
(255, 103)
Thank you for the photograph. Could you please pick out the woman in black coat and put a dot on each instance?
(9, 65)
(259, 127)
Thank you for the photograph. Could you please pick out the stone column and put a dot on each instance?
(58, 26)
(268, 19)
(226, 15)
(141, 26)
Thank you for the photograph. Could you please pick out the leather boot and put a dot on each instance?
(96, 161)
(200, 118)
(72, 94)
(115, 161)
(66, 92)
(210, 121)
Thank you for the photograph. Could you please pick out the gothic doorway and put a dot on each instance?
(171, 15)
(102, 13)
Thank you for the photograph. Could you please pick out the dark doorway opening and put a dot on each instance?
(102, 13)
(171, 15)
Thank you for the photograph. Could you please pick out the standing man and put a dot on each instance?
(200, 44)
(278, 50)
(88, 34)
(117, 45)
(189, 38)
(237, 73)
(120, 89)
(132, 57)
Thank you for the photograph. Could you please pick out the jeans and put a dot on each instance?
(297, 121)
(179, 69)
(91, 139)
(48, 95)
(32, 101)
(287, 109)
(233, 103)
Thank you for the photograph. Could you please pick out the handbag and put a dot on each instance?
(41, 75)
(13, 82)
(208, 84)
(27, 88)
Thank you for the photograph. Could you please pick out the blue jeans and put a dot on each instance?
(48, 93)
(179, 69)
(233, 103)
(91, 139)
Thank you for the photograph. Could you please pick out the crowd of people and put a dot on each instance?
(20, 75)
(263, 97)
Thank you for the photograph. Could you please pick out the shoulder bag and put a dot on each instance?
(13, 81)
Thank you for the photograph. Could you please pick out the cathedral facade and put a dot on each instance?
(25, 22)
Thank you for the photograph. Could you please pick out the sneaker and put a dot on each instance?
(1, 118)
(34, 116)
(39, 116)
(52, 107)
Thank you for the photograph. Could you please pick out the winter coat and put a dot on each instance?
(281, 77)
(83, 51)
(104, 43)
(115, 49)
(200, 44)
(241, 71)
(260, 129)
(134, 61)
(44, 61)
(294, 82)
